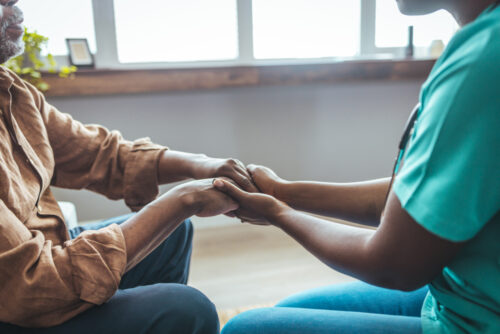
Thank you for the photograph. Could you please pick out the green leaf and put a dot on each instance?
(43, 86)
(28, 65)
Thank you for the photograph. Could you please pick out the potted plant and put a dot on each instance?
(30, 64)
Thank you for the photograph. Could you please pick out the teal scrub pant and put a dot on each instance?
(350, 308)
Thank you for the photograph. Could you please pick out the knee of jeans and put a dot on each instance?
(297, 300)
(191, 310)
(247, 322)
(186, 229)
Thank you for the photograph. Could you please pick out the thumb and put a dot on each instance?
(229, 189)
(251, 168)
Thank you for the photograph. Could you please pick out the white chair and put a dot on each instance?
(69, 212)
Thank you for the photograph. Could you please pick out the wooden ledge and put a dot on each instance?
(111, 82)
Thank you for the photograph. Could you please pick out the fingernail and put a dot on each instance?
(219, 184)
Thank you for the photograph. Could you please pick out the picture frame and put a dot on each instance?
(79, 52)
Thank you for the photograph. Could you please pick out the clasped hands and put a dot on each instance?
(248, 193)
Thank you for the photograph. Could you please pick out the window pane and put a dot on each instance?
(60, 19)
(392, 26)
(173, 30)
(305, 28)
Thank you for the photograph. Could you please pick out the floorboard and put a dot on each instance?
(242, 265)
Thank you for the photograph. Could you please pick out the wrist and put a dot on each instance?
(280, 189)
(195, 166)
(277, 212)
(171, 206)
(188, 200)
(177, 166)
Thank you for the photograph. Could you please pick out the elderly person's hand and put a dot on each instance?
(202, 199)
(178, 166)
(230, 168)
(254, 208)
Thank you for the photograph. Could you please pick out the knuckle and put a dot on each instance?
(223, 168)
(246, 181)
(232, 162)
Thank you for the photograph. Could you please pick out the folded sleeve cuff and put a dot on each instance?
(141, 173)
(98, 259)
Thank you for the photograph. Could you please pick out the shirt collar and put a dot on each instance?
(6, 79)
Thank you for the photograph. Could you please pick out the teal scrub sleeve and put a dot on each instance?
(450, 178)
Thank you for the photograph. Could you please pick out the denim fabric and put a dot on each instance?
(152, 298)
(344, 308)
(169, 263)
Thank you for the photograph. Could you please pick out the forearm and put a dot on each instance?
(152, 225)
(343, 248)
(400, 254)
(178, 166)
(360, 202)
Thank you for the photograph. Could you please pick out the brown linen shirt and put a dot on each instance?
(45, 278)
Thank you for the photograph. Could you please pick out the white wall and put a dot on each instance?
(324, 132)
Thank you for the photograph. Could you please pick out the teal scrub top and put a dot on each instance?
(449, 181)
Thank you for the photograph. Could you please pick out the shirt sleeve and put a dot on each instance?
(450, 180)
(43, 285)
(92, 157)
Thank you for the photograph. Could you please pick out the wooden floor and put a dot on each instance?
(243, 265)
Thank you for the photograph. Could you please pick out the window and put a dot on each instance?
(197, 33)
(305, 28)
(176, 31)
(60, 19)
(392, 26)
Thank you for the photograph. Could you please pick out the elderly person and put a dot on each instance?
(438, 232)
(109, 278)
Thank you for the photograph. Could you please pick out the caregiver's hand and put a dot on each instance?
(266, 179)
(254, 208)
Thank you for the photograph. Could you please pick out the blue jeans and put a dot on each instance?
(152, 298)
(344, 308)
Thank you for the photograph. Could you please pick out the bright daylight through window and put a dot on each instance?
(60, 19)
(391, 26)
(305, 28)
(176, 31)
(161, 33)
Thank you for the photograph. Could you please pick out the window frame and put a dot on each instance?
(107, 52)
